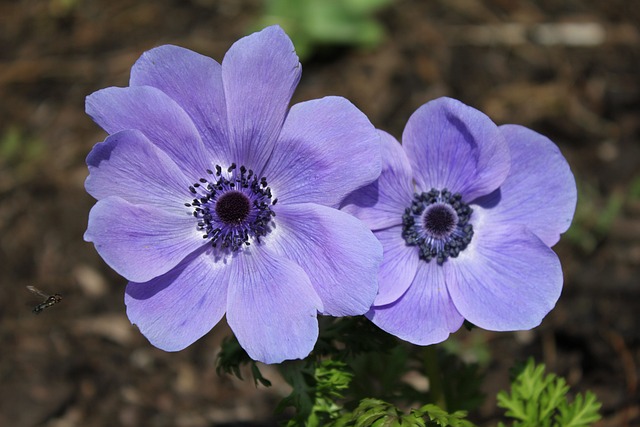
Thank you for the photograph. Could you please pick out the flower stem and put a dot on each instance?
(433, 373)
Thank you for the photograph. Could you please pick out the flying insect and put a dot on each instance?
(48, 301)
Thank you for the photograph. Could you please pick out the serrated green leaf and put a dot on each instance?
(539, 400)
(551, 398)
(581, 412)
(375, 412)
(515, 408)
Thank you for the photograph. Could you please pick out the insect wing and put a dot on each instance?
(38, 292)
(49, 300)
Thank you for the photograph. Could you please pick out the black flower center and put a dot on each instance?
(233, 207)
(439, 220)
(437, 223)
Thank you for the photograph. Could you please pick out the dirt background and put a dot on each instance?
(81, 363)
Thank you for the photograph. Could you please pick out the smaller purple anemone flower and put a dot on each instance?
(214, 198)
(466, 212)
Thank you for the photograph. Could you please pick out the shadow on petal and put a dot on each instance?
(147, 290)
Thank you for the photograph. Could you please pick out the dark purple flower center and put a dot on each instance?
(232, 207)
(437, 223)
(439, 220)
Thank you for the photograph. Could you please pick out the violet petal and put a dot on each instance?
(128, 165)
(507, 279)
(540, 190)
(156, 115)
(194, 81)
(338, 253)
(399, 265)
(176, 309)
(451, 145)
(140, 242)
(382, 203)
(272, 307)
(425, 314)
(259, 73)
(327, 148)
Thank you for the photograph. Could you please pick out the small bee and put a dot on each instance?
(49, 300)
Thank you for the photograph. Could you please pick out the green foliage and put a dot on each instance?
(389, 366)
(347, 354)
(317, 386)
(461, 383)
(348, 337)
(231, 359)
(354, 363)
(539, 400)
(345, 345)
(311, 23)
(378, 413)
(392, 360)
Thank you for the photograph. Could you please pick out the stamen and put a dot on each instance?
(437, 222)
(234, 209)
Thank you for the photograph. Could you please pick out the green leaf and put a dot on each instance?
(317, 386)
(375, 412)
(440, 417)
(582, 412)
(461, 382)
(231, 359)
(539, 400)
(299, 374)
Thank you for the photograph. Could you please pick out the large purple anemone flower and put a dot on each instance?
(466, 212)
(214, 198)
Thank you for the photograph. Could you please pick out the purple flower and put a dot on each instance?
(214, 198)
(466, 212)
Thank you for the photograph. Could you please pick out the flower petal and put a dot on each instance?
(272, 307)
(399, 265)
(327, 148)
(337, 251)
(425, 314)
(540, 191)
(260, 73)
(382, 203)
(179, 307)
(128, 165)
(140, 242)
(454, 146)
(156, 115)
(506, 279)
(194, 81)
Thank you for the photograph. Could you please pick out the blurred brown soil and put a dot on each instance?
(566, 69)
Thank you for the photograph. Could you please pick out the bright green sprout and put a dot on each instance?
(539, 400)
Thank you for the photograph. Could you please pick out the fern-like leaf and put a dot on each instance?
(539, 400)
